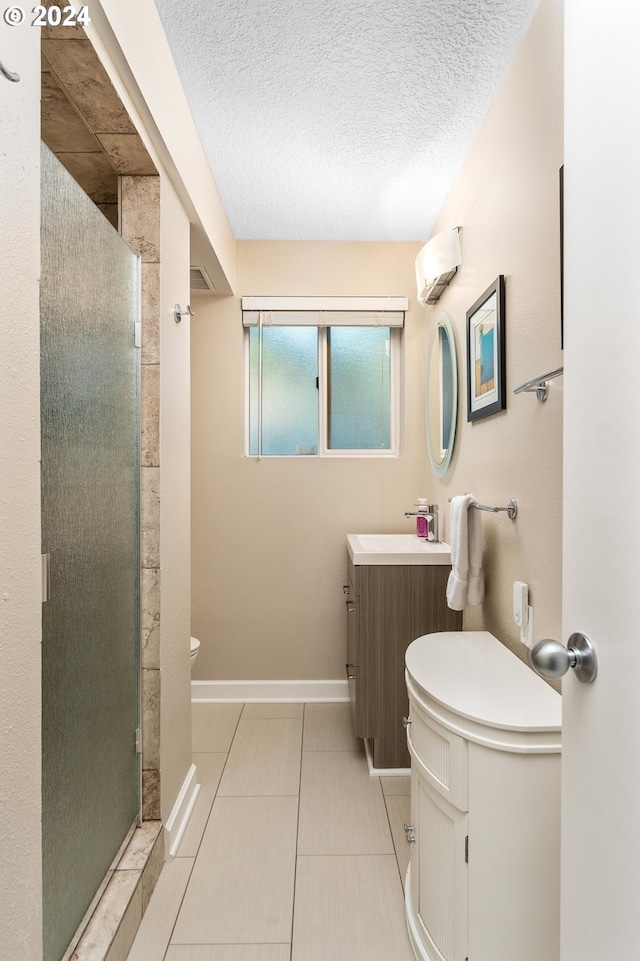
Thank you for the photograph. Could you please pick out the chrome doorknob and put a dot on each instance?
(552, 659)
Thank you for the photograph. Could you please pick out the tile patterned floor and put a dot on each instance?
(293, 852)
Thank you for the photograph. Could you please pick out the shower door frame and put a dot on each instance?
(82, 436)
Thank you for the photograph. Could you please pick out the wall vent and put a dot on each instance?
(200, 279)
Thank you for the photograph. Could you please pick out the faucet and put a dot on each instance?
(431, 517)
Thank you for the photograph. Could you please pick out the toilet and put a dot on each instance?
(195, 647)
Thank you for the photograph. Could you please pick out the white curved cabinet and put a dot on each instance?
(484, 877)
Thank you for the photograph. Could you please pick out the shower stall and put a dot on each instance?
(90, 293)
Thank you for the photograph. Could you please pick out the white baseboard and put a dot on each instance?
(268, 691)
(179, 817)
(383, 771)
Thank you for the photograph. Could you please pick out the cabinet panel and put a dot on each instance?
(351, 665)
(404, 602)
(439, 755)
(394, 604)
(361, 663)
(514, 823)
(441, 874)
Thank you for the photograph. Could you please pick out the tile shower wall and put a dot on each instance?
(140, 218)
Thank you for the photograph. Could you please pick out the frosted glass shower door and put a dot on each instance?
(90, 529)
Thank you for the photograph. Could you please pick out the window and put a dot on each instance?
(323, 388)
(283, 397)
(358, 388)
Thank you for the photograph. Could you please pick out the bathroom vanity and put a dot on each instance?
(396, 591)
(483, 882)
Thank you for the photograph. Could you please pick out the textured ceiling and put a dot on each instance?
(339, 119)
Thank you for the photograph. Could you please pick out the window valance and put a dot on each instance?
(324, 311)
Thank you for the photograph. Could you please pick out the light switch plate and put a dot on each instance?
(522, 612)
(520, 603)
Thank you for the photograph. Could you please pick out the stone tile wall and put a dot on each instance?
(112, 924)
(140, 227)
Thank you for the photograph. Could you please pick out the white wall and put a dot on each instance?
(506, 200)
(600, 769)
(20, 606)
(269, 536)
(175, 500)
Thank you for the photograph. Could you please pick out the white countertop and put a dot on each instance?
(396, 549)
(475, 676)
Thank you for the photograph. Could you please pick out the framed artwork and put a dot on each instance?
(486, 356)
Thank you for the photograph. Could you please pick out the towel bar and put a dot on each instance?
(511, 508)
(539, 385)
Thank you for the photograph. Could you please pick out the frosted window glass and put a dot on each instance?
(359, 413)
(289, 405)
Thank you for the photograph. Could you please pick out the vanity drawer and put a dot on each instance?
(439, 755)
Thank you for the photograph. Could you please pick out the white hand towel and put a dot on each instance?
(457, 583)
(475, 588)
(466, 580)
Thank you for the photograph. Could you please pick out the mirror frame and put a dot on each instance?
(443, 323)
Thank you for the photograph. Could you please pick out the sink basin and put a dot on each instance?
(396, 549)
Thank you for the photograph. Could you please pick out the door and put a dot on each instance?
(601, 721)
(90, 531)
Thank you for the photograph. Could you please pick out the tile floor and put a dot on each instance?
(292, 853)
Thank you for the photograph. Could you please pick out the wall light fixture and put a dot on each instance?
(436, 265)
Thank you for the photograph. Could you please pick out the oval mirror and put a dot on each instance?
(442, 394)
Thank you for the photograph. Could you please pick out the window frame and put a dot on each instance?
(396, 344)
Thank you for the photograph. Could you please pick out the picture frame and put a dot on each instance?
(486, 353)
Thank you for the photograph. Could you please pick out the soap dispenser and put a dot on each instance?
(422, 521)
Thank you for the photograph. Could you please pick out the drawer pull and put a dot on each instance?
(409, 827)
(406, 721)
(411, 839)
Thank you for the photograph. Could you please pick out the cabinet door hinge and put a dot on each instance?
(138, 740)
(466, 853)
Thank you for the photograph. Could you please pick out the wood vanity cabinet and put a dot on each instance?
(388, 606)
